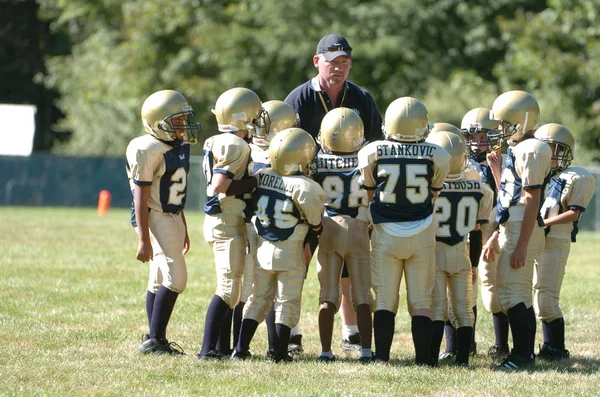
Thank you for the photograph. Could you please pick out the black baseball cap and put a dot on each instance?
(333, 46)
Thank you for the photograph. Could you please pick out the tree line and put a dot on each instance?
(89, 65)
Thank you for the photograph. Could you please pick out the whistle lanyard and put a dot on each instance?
(325, 105)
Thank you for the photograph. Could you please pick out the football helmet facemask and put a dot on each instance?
(277, 116)
(166, 116)
(561, 141)
(517, 113)
(342, 131)
(406, 120)
(477, 121)
(292, 152)
(239, 109)
(454, 144)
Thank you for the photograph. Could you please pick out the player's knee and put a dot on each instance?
(548, 307)
(288, 313)
(331, 293)
(230, 293)
(176, 283)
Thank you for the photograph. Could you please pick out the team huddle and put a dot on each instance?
(433, 204)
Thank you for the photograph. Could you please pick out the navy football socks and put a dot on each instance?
(283, 339)
(474, 323)
(247, 331)
(150, 297)
(547, 333)
(215, 315)
(164, 302)
(384, 322)
(557, 330)
(224, 340)
(520, 325)
(532, 329)
(436, 340)
(500, 328)
(422, 329)
(271, 332)
(237, 321)
(465, 338)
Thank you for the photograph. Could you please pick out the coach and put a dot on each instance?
(330, 89)
(312, 100)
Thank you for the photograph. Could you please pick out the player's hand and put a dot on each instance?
(474, 274)
(144, 252)
(518, 258)
(494, 160)
(491, 248)
(186, 244)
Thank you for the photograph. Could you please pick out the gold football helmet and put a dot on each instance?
(454, 145)
(277, 116)
(342, 130)
(239, 109)
(561, 141)
(517, 112)
(444, 127)
(163, 117)
(406, 120)
(475, 121)
(292, 152)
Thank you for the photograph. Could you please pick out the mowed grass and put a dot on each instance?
(72, 313)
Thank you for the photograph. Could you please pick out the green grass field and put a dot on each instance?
(72, 314)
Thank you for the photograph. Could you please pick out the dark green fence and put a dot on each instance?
(50, 180)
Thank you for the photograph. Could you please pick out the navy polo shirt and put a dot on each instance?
(306, 101)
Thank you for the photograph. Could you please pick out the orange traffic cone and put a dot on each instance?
(103, 202)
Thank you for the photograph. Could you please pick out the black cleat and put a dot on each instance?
(499, 352)
(270, 356)
(352, 343)
(366, 360)
(514, 363)
(159, 346)
(295, 344)
(236, 355)
(326, 359)
(210, 355)
(551, 354)
(459, 364)
(285, 359)
(447, 357)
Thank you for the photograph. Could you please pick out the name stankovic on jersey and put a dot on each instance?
(393, 149)
(274, 182)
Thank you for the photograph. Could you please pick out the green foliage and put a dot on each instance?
(555, 54)
(456, 55)
(73, 313)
